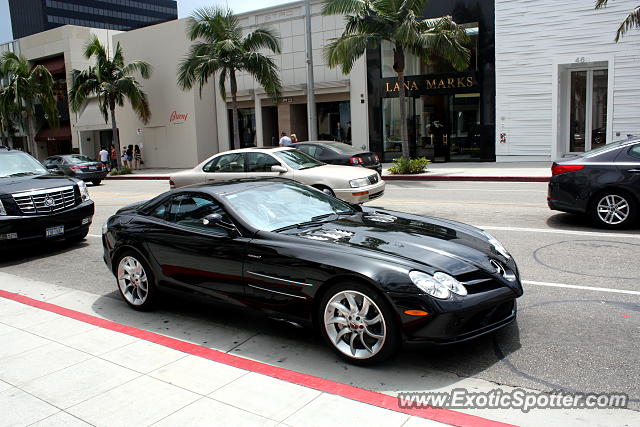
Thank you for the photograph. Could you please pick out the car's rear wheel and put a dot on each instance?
(96, 181)
(358, 324)
(135, 281)
(613, 209)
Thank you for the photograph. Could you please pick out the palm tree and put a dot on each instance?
(369, 22)
(632, 20)
(222, 49)
(25, 88)
(111, 81)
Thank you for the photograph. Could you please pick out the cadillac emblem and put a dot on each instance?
(49, 202)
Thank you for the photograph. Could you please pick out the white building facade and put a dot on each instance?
(563, 85)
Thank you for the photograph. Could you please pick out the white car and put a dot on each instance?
(351, 184)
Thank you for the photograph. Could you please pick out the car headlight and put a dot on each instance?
(360, 182)
(3, 211)
(84, 191)
(497, 245)
(440, 285)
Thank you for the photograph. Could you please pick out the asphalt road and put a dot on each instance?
(579, 321)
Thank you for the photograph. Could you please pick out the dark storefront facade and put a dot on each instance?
(450, 114)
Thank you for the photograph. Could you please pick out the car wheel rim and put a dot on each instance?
(133, 280)
(613, 209)
(355, 325)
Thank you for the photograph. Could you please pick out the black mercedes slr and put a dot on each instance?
(369, 279)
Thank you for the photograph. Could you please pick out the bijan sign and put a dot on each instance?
(177, 118)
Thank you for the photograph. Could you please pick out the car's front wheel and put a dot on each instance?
(135, 281)
(613, 209)
(96, 181)
(358, 324)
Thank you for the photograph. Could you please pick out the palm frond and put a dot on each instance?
(601, 3)
(265, 71)
(343, 7)
(347, 49)
(632, 21)
(261, 38)
(144, 68)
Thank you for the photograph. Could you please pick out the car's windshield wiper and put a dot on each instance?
(316, 220)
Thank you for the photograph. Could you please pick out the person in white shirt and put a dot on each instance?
(104, 157)
(285, 141)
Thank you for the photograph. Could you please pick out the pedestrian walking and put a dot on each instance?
(137, 156)
(104, 157)
(294, 138)
(114, 157)
(285, 141)
(130, 156)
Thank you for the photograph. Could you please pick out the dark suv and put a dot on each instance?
(36, 206)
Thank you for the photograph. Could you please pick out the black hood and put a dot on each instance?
(440, 244)
(28, 183)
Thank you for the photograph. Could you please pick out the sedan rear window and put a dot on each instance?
(77, 159)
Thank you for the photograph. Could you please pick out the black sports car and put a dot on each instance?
(338, 153)
(368, 278)
(77, 166)
(36, 206)
(603, 183)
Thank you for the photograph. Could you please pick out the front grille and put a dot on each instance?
(45, 201)
(373, 179)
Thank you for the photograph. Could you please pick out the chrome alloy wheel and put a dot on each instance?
(132, 280)
(613, 209)
(355, 325)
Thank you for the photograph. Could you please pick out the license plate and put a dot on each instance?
(93, 168)
(55, 231)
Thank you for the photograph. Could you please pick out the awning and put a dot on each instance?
(63, 133)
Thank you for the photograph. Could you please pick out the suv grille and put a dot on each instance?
(45, 201)
(373, 179)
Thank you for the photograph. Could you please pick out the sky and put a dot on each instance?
(185, 7)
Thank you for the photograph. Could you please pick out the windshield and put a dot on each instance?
(279, 205)
(297, 159)
(606, 147)
(77, 159)
(17, 163)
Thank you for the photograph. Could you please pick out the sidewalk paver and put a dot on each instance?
(19, 408)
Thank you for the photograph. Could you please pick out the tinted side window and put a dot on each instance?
(161, 211)
(312, 150)
(191, 210)
(233, 162)
(260, 162)
(635, 151)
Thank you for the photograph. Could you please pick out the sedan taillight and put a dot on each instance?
(75, 168)
(560, 169)
(356, 160)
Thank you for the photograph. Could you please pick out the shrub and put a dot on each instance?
(402, 166)
(121, 171)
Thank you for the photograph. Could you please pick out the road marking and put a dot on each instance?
(586, 288)
(385, 401)
(554, 231)
(433, 202)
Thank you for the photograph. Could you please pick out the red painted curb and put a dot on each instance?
(465, 178)
(442, 415)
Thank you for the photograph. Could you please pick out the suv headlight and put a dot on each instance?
(360, 182)
(3, 211)
(84, 191)
(440, 285)
(497, 245)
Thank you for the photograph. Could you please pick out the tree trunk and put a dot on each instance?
(234, 108)
(31, 142)
(398, 66)
(116, 137)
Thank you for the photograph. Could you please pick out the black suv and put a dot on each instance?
(36, 206)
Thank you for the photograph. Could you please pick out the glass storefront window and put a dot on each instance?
(246, 125)
(578, 107)
(334, 121)
(415, 66)
(599, 108)
(391, 131)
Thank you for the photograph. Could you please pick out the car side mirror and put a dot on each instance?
(278, 168)
(215, 220)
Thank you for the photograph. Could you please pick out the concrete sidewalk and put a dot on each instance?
(464, 171)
